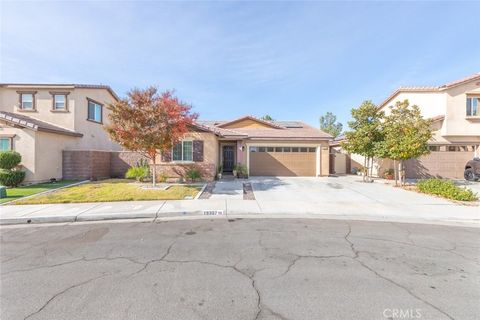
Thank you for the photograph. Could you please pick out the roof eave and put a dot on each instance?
(291, 138)
(65, 133)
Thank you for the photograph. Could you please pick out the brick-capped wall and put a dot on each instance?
(94, 165)
(207, 170)
(122, 160)
(85, 164)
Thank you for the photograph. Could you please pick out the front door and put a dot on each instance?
(228, 158)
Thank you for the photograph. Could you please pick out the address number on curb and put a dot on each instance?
(213, 212)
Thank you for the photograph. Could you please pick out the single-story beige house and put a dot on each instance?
(266, 148)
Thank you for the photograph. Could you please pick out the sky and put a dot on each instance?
(291, 60)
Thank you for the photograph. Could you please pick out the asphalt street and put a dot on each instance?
(240, 269)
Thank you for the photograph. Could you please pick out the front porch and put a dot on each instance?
(231, 153)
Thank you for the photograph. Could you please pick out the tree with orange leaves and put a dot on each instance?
(148, 122)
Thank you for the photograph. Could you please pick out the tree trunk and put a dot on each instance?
(371, 169)
(395, 171)
(364, 173)
(403, 172)
(154, 172)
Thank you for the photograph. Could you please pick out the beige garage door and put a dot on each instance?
(282, 161)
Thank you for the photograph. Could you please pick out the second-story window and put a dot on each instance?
(59, 101)
(27, 100)
(94, 111)
(473, 104)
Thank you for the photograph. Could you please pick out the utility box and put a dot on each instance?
(3, 192)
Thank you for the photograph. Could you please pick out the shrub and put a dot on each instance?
(138, 173)
(446, 189)
(11, 178)
(362, 170)
(9, 159)
(241, 170)
(162, 177)
(193, 174)
(389, 174)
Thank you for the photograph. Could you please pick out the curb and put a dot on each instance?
(198, 215)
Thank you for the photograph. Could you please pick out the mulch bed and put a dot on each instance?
(207, 193)
(248, 191)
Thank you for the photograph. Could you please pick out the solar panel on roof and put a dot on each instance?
(290, 124)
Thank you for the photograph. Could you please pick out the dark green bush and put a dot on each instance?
(11, 178)
(193, 174)
(9, 159)
(446, 189)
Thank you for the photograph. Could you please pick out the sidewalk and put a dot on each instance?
(237, 208)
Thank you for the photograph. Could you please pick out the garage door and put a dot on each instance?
(282, 161)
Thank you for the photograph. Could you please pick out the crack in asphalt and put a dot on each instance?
(298, 257)
(451, 250)
(63, 292)
(410, 292)
(250, 272)
(71, 262)
(146, 264)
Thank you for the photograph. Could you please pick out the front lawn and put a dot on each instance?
(20, 192)
(112, 190)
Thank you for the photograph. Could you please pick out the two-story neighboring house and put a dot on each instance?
(41, 121)
(455, 111)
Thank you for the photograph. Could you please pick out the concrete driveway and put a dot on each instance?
(351, 197)
(345, 189)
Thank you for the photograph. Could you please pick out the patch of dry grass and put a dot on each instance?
(112, 190)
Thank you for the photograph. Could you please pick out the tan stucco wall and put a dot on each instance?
(210, 146)
(24, 143)
(48, 155)
(94, 135)
(43, 105)
(456, 122)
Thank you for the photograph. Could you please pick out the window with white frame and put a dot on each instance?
(94, 111)
(183, 151)
(59, 101)
(5, 144)
(26, 101)
(473, 104)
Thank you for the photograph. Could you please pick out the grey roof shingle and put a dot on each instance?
(282, 130)
(35, 124)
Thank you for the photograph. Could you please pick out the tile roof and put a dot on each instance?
(266, 122)
(437, 118)
(282, 130)
(475, 76)
(34, 124)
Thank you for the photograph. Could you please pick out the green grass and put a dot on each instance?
(20, 192)
(112, 190)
